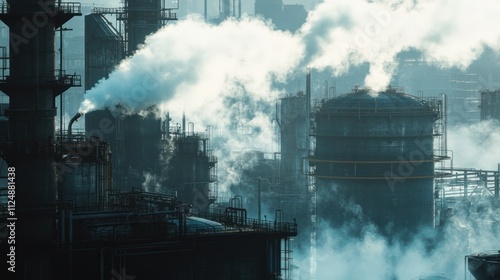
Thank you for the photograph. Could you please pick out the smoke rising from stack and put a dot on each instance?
(193, 73)
(183, 72)
(341, 34)
(226, 75)
(221, 76)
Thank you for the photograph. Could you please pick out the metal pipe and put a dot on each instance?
(183, 124)
(497, 183)
(102, 262)
(326, 89)
(74, 119)
(444, 139)
(205, 10)
(70, 226)
(239, 198)
(97, 182)
(63, 230)
(239, 8)
(308, 100)
(167, 127)
(259, 199)
(191, 128)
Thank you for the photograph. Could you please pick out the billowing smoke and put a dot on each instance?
(476, 145)
(151, 182)
(229, 75)
(218, 75)
(191, 65)
(371, 255)
(340, 34)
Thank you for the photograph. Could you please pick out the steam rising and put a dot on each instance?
(370, 256)
(481, 139)
(340, 34)
(226, 76)
(189, 64)
(192, 66)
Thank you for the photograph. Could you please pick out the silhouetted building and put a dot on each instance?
(490, 105)
(284, 17)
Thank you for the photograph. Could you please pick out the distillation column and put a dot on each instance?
(32, 85)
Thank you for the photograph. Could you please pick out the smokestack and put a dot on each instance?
(183, 124)
(32, 86)
(308, 91)
(239, 8)
(167, 127)
(205, 10)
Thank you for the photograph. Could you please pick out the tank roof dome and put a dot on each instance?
(364, 101)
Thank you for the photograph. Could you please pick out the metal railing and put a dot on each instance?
(167, 14)
(70, 8)
(65, 7)
(106, 226)
(107, 11)
(61, 80)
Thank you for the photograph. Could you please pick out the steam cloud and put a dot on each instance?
(340, 34)
(192, 66)
(227, 76)
(188, 64)
(481, 139)
(340, 256)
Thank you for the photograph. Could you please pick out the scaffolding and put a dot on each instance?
(434, 106)
(128, 17)
(192, 163)
(465, 184)
(83, 171)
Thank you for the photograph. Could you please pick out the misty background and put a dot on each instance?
(230, 75)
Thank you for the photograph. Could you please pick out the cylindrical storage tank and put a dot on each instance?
(485, 265)
(375, 150)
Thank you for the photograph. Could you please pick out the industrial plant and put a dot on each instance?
(119, 188)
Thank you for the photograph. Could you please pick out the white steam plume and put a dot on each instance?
(218, 75)
(342, 33)
(187, 64)
(476, 145)
(191, 66)
(432, 251)
(224, 75)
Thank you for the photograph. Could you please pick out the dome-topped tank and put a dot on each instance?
(364, 100)
(376, 150)
(484, 265)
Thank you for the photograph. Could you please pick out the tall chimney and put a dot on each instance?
(32, 85)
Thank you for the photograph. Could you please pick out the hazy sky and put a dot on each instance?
(246, 4)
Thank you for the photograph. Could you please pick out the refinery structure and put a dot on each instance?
(114, 194)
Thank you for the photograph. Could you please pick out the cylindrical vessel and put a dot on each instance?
(374, 152)
(484, 265)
